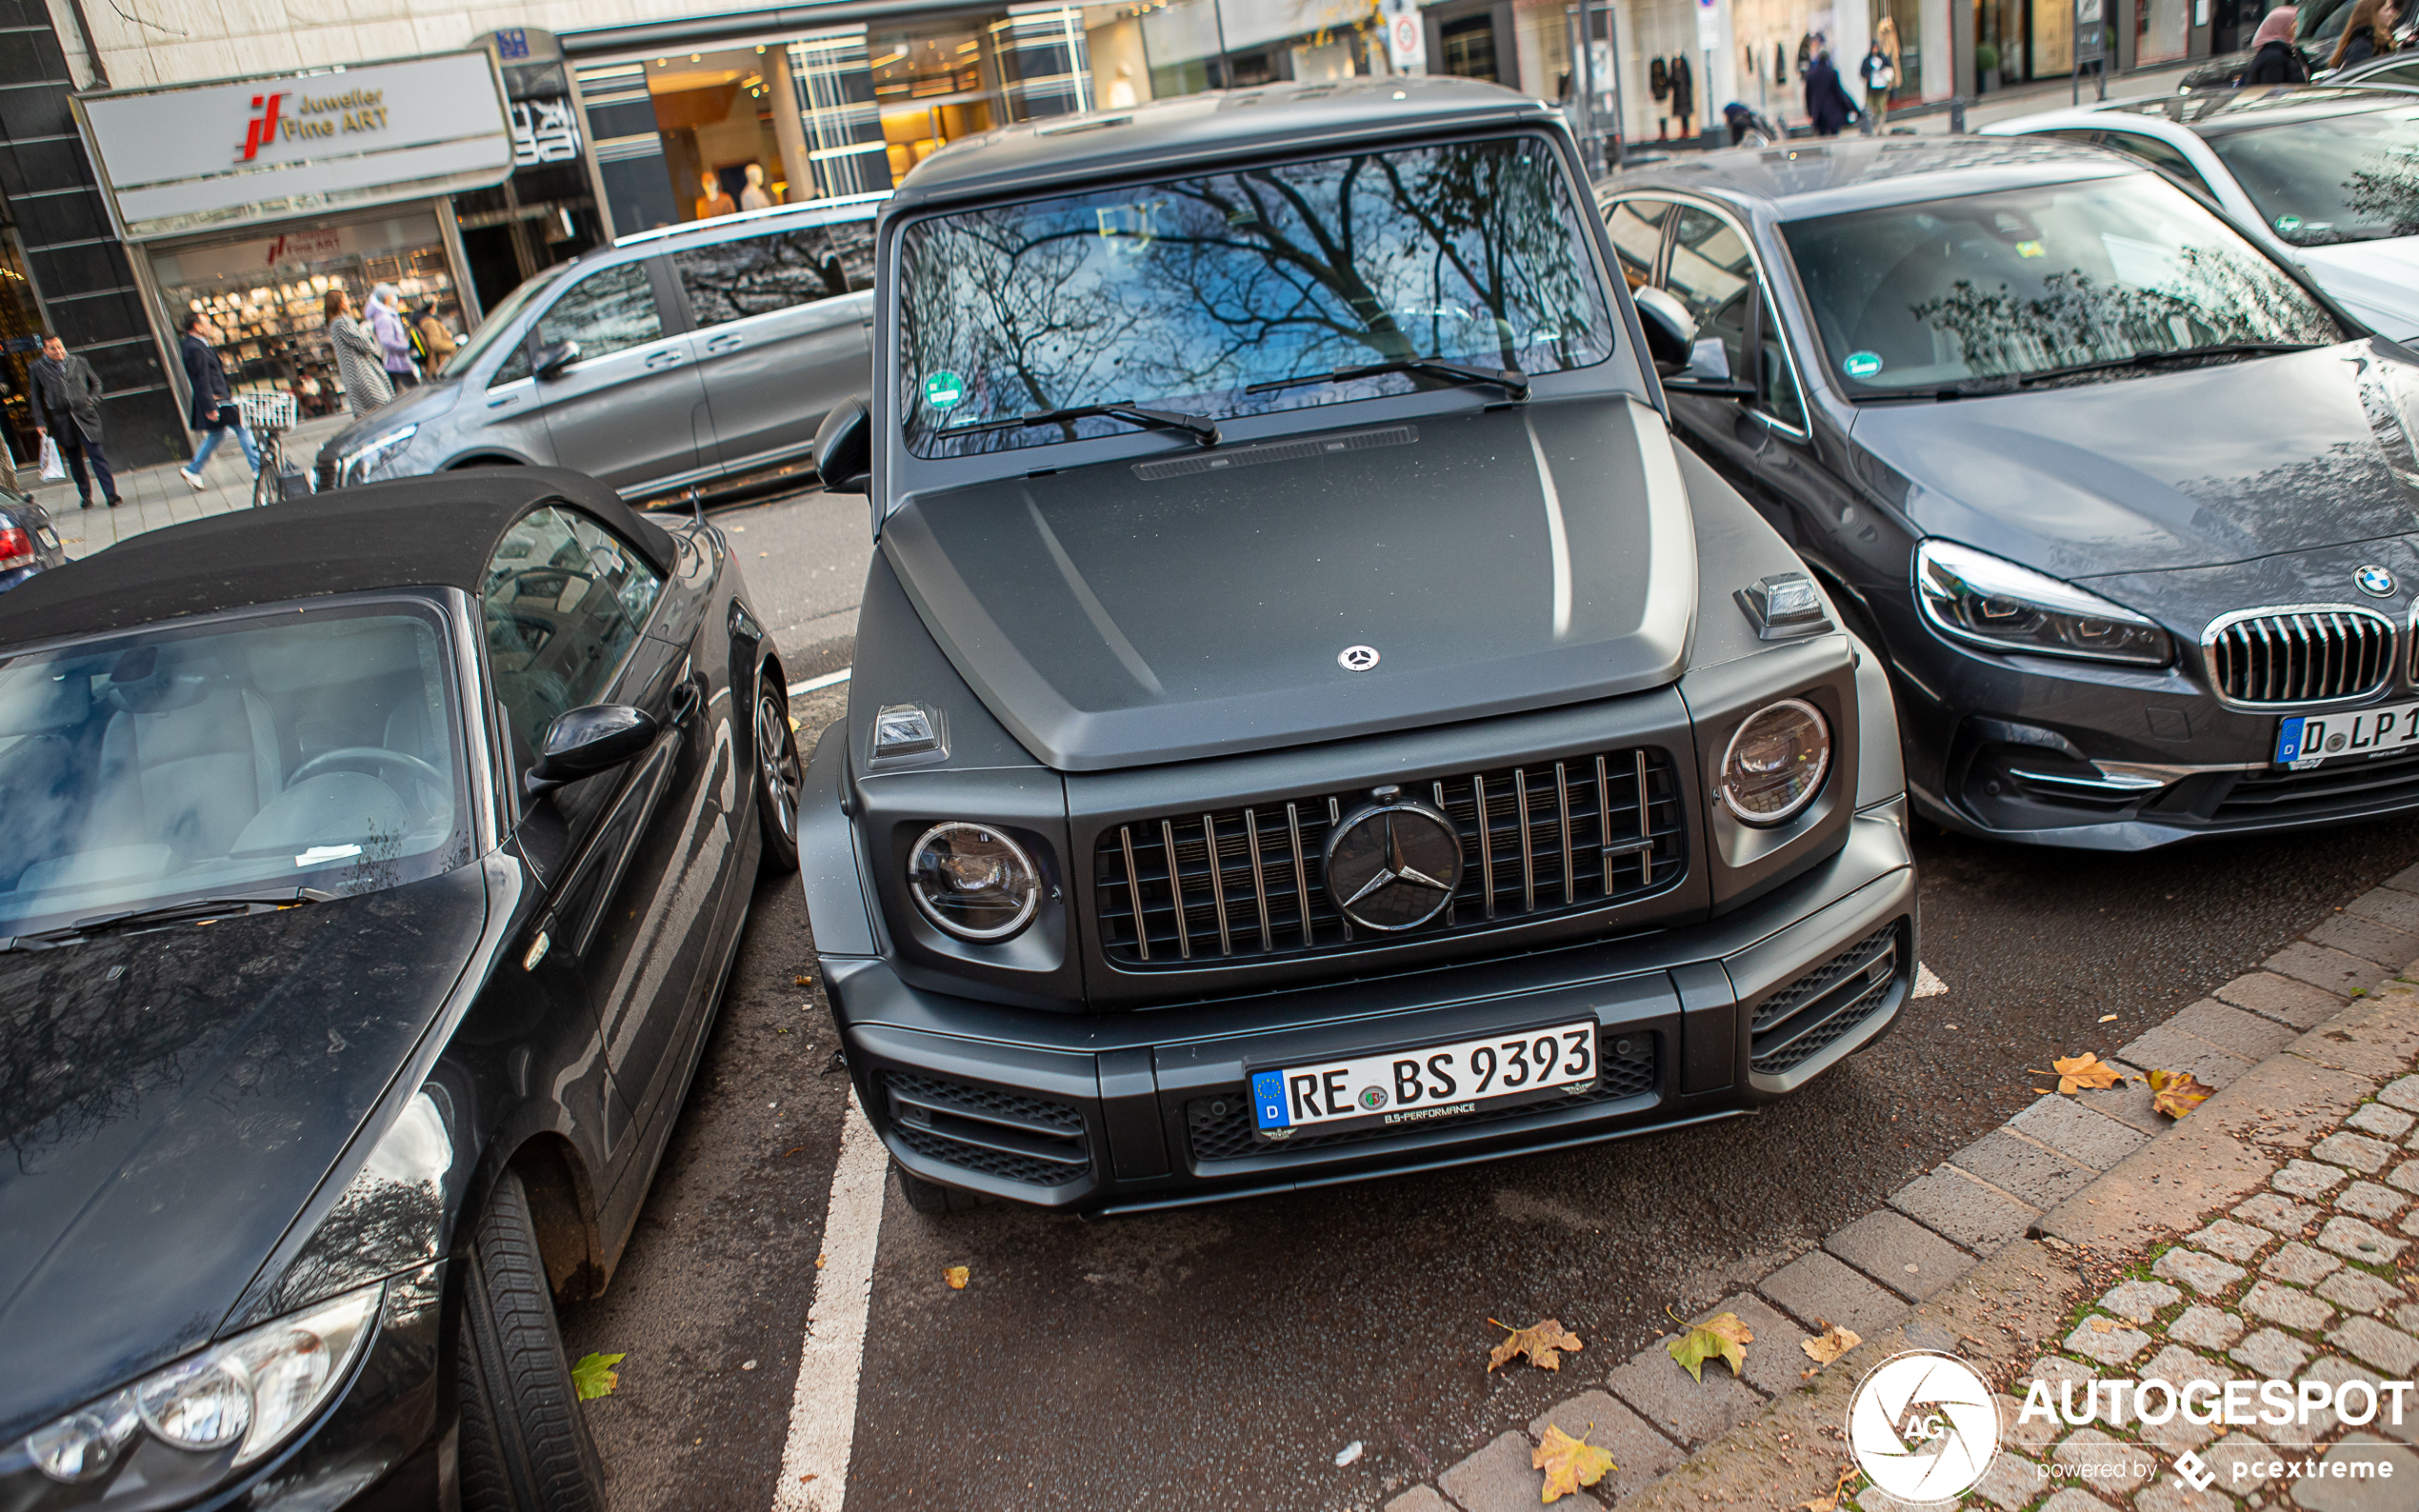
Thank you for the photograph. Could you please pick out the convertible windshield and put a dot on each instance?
(1186, 295)
(1970, 292)
(2352, 177)
(245, 757)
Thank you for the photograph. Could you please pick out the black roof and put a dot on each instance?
(2213, 112)
(1798, 179)
(413, 532)
(1220, 124)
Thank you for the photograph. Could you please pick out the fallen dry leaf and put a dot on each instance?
(955, 1276)
(2085, 1070)
(1830, 1503)
(594, 1376)
(1569, 1463)
(1721, 1335)
(2108, 1018)
(1545, 1344)
(2176, 1093)
(2103, 1325)
(1832, 1344)
(802, 981)
(819, 1259)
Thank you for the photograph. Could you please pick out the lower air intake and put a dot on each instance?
(1814, 1012)
(989, 1130)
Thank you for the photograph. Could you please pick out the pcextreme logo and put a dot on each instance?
(313, 115)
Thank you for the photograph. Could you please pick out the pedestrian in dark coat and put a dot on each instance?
(2368, 32)
(68, 409)
(214, 409)
(2274, 59)
(1827, 100)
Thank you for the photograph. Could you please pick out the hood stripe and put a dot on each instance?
(1557, 533)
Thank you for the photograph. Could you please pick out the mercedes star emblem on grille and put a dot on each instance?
(1393, 865)
(2375, 582)
(1356, 658)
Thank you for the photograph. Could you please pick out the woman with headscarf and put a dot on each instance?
(2274, 59)
(2368, 32)
(360, 365)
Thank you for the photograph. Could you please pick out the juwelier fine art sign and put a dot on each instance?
(205, 156)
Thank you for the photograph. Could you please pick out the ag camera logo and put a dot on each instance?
(1923, 1426)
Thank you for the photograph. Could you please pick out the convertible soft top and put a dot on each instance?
(415, 533)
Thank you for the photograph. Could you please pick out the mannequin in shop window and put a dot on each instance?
(1684, 94)
(716, 200)
(754, 196)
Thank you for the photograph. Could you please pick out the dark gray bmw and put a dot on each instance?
(2127, 504)
(1309, 719)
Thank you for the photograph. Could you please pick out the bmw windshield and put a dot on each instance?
(1188, 294)
(246, 757)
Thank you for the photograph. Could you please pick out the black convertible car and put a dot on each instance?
(370, 873)
(2127, 503)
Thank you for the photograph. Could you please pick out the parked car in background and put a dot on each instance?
(2318, 25)
(2323, 178)
(29, 541)
(1294, 619)
(2123, 501)
(372, 870)
(674, 357)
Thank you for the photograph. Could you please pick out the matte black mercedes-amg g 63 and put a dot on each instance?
(1309, 719)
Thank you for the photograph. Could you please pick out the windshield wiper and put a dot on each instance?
(188, 910)
(1508, 379)
(1203, 431)
(2152, 359)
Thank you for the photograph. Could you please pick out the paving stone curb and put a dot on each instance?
(1995, 1246)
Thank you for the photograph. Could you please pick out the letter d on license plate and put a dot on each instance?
(1407, 1089)
(2303, 741)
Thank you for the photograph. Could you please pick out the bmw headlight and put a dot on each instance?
(1990, 601)
(1775, 761)
(973, 881)
(251, 1391)
(376, 458)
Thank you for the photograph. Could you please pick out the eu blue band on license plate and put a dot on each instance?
(1419, 1085)
(1268, 1098)
(2289, 738)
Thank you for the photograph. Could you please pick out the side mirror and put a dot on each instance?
(583, 741)
(554, 357)
(1670, 332)
(843, 447)
(1708, 374)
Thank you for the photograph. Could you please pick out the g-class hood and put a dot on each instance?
(2178, 469)
(1197, 604)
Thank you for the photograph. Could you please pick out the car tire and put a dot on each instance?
(525, 1445)
(780, 776)
(931, 1199)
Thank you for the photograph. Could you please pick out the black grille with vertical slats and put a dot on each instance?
(2300, 656)
(1556, 837)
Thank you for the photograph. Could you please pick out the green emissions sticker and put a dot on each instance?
(1862, 364)
(944, 390)
(2288, 224)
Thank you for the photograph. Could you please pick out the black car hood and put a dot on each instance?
(1512, 558)
(165, 1127)
(2178, 469)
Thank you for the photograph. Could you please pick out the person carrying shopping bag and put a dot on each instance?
(215, 411)
(68, 411)
(359, 366)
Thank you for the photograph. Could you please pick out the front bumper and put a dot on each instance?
(1146, 1108)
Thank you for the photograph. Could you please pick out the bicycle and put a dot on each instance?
(269, 416)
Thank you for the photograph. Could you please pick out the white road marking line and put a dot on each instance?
(823, 1408)
(1926, 985)
(825, 681)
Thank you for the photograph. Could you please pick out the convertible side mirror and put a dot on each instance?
(843, 447)
(554, 357)
(583, 741)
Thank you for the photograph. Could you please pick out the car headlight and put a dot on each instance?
(974, 882)
(1775, 761)
(375, 458)
(1990, 601)
(251, 1391)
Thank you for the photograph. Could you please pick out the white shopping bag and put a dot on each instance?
(54, 467)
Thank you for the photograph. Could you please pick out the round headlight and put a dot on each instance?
(207, 1406)
(1776, 761)
(973, 881)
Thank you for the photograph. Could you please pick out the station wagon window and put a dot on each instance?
(757, 275)
(565, 599)
(611, 309)
(1243, 292)
(1637, 235)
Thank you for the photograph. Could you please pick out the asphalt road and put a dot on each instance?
(1222, 1357)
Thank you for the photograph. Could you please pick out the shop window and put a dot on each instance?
(756, 275)
(609, 310)
(1469, 46)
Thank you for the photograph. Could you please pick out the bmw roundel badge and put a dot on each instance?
(2375, 582)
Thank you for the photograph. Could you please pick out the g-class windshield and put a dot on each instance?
(1216, 295)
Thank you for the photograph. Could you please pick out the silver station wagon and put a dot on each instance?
(673, 357)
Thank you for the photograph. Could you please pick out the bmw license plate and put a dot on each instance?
(2305, 740)
(1406, 1088)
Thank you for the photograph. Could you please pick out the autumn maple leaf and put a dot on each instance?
(594, 1376)
(1722, 1334)
(1569, 1463)
(2085, 1070)
(2176, 1093)
(1544, 1344)
(1832, 1344)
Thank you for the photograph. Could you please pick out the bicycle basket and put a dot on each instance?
(269, 411)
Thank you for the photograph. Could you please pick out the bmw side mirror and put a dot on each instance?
(1670, 332)
(843, 447)
(554, 357)
(583, 741)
